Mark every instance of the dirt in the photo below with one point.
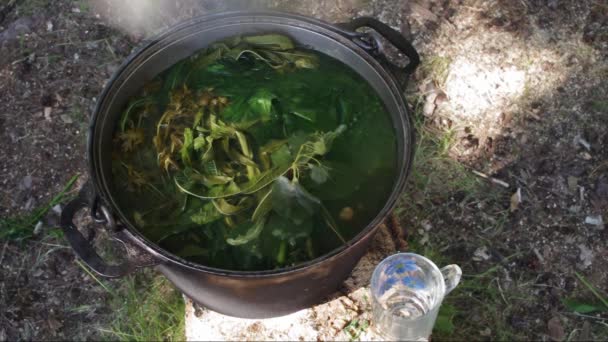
(523, 94)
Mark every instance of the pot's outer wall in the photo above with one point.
(247, 294)
(269, 296)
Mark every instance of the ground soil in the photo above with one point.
(523, 92)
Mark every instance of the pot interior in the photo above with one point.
(183, 41)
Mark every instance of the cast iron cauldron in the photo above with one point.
(257, 294)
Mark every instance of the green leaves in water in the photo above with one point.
(261, 103)
(271, 191)
(247, 141)
(277, 51)
(187, 147)
(207, 214)
(252, 232)
(270, 41)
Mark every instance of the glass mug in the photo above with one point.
(407, 290)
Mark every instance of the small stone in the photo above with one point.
(429, 104)
(580, 141)
(586, 255)
(57, 209)
(47, 113)
(66, 118)
(29, 204)
(92, 45)
(54, 325)
(481, 254)
(426, 224)
(595, 220)
(515, 200)
(556, 330)
(38, 228)
(27, 181)
(572, 184)
(49, 26)
(441, 99)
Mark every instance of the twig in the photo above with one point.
(539, 256)
(492, 179)
(500, 291)
(3, 252)
(586, 316)
(397, 231)
(595, 170)
(110, 48)
(592, 289)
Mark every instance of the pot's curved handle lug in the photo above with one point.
(374, 46)
(82, 246)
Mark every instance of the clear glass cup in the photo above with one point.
(407, 290)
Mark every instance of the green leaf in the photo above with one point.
(301, 59)
(272, 146)
(220, 130)
(264, 206)
(193, 177)
(210, 56)
(187, 147)
(132, 105)
(232, 189)
(199, 143)
(210, 168)
(582, 307)
(252, 232)
(240, 158)
(227, 209)
(266, 178)
(207, 214)
(261, 103)
(324, 141)
(281, 156)
(270, 41)
(444, 323)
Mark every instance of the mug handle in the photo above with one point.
(451, 276)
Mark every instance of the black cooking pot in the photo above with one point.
(236, 293)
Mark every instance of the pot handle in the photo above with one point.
(392, 36)
(82, 246)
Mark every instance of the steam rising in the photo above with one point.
(144, 18)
